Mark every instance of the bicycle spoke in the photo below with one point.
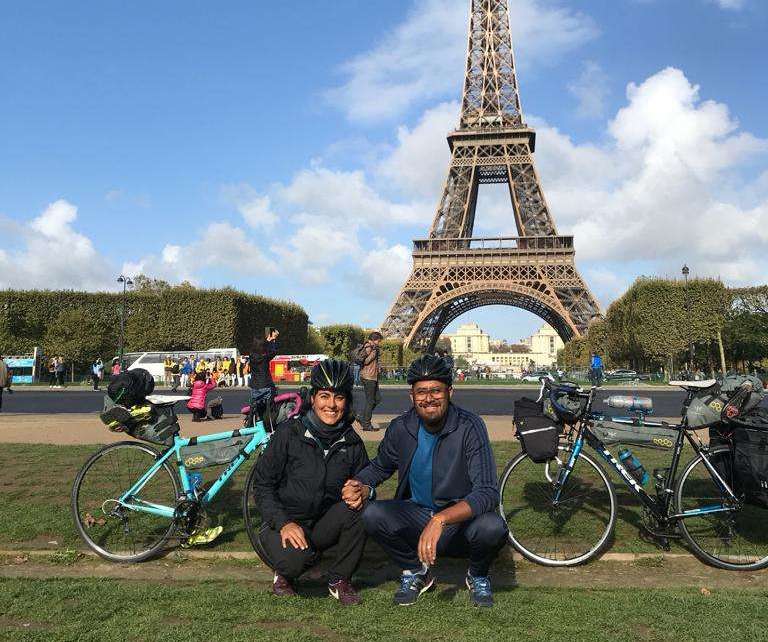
(117, 532)
(733, 539)
(572, 528)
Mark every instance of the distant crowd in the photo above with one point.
(223, 371)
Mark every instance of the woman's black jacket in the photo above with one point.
(296, 482)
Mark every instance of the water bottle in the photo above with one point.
(633, 466)
(196, 481)
(631, 403)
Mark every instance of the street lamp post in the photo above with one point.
(126, 283)
(686, 272)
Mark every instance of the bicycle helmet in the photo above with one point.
(332, 374)
(430, 367)
(566, 404)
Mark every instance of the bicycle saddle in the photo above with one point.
(694, 385)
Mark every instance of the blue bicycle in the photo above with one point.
(130, 499)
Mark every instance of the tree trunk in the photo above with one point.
(722, 350)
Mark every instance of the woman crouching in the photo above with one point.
(298, 488)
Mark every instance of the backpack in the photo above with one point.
(216, 408)
(131, 387)
(358, 355)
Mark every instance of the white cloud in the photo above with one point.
(590, 90)
(418, 164)
(255, 208)
(344, 197)
(313, 249)
(424, 57)
(51, 254)
(382, 271)
(659, 188)
(733, 5)
(219, 245)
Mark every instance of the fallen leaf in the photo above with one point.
(21, 559)
(101, 521)
(705, 591)
(89, 520)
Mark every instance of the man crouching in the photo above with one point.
(298, 488)
(447, 488)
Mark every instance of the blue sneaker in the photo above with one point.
(411, 586)
(479, 591)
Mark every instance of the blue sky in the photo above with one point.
(295, 149)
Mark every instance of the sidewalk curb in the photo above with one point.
(249, 555)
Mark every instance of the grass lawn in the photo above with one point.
(104, 610)
(37, 479)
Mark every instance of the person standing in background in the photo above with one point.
(167, 374)
(4, 380)
(97, 370)
(52, 372)
(262, 353)
(186, 369)
(115, 367)
(369, 377)
(242, 370)
(175, 374)
(60, 372)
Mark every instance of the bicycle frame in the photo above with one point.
(658, 506)
(131, 501)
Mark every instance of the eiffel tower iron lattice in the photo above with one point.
(453, 272)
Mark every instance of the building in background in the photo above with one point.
(479, 349)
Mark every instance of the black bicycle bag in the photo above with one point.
(750, 456)
(537, 433)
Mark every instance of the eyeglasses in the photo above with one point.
(435, 393)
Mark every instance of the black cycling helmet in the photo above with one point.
(430, 367)
(332, 374)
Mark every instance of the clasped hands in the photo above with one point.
(355, 493)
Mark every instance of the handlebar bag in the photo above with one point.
(537, 433)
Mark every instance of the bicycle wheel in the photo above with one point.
(252, 517)
(112, 531)
(572, 532)
(736, 540)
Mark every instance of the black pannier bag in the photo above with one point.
(214, 453)
(216, 408)
(537, 433)
(131, 387)
(148, 422)
(750, 456)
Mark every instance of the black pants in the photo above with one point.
(372, 399)
(339, 525)
(397, 525)
(95, 380)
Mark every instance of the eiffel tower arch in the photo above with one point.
(454, 272)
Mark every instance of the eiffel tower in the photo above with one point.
(454, 272)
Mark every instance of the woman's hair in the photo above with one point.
(199, 376)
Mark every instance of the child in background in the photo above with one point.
(200, 389)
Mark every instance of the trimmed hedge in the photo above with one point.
(173, 319)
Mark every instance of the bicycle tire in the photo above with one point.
(698, 549)
(594, 551)
(79, 512)
(250, 510)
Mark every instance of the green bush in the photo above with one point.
(83, 325)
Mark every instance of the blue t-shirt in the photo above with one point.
(597, 362)
(420, 474)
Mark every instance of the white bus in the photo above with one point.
(153, 361)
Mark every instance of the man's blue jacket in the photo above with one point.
(463, 467)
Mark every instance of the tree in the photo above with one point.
(143, 283)
(461, 362)
(80, 337)
(340, 339)
(443, 345)
(315, 341)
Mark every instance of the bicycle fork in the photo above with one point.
(564, 471)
